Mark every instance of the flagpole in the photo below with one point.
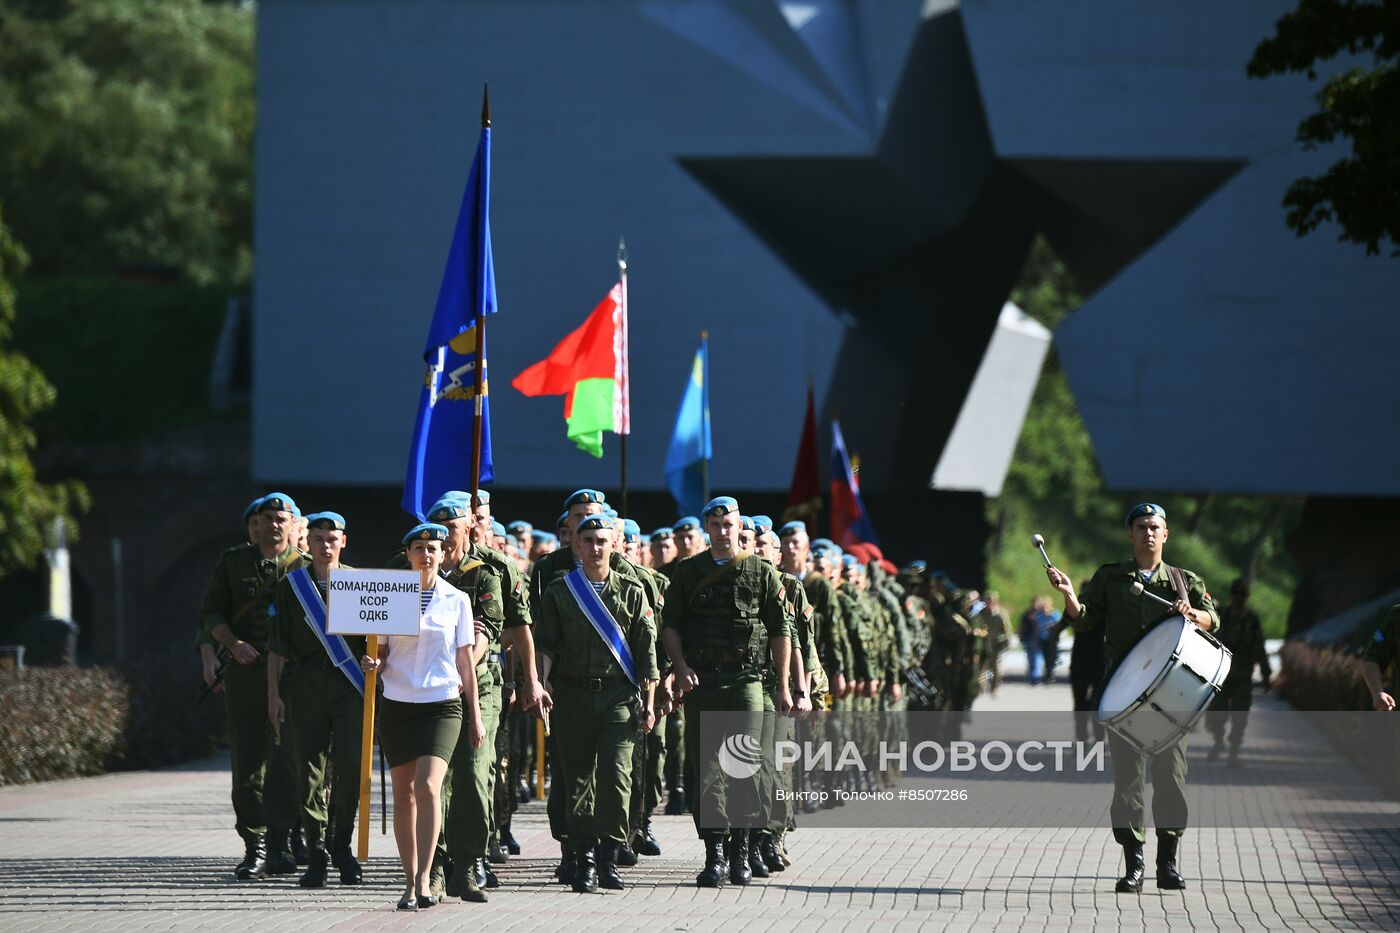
(705, 418)
(479, 376)
(625, 389)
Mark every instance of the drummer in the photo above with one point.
(1109, 600)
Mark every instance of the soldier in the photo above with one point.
(765, 850)
(724, 611)
(324, 685)
(689, 538)
(237, 612)
(1243, 633)
(663, 548)
(1108, 601)
(523, 533)
(1381, 654)
(998, 635)
(598, 652)
(649, 756)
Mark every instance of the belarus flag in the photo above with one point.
(589, 367)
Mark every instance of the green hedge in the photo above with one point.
(63, 722)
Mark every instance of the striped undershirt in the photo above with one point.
(425, 597)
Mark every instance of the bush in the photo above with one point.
(64, 722)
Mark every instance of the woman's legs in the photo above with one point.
(428, 772)
(405, 828)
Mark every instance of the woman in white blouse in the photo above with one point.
(429, 692)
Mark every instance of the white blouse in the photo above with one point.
(422, 668)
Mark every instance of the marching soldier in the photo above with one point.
(598, 652)
(1243, 633)
(724, 612)
(320, 674)
(1108, 600)
(1380, 655)
(650, 755)
(237, 612)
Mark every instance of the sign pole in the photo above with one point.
(367, 747)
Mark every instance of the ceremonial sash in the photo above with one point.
(314, 611)
(602, 620)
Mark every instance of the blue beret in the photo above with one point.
(1145, 508)
(595, 523)
(546, 537)
(329, 521)
(498, 529)
(746, 523)
(708, 542)
(662, 534)
(517, 527)
(278, 502)
(850, 560)
(445, 510)
(427, 531)
(916, 566)
(583, 497)
(762, 523)
(562, 520)
(690, 521)
(720, 505)
(631, 527)
(792, 528)
(823, 542)
(611, 513)
(252, 509)
(483, 497)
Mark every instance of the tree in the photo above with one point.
(27, 506)
(128, 130)
(1360, 192)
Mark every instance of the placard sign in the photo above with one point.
(373, 602)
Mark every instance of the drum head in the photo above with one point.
(1142, 665)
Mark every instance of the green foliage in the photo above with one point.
(129, 359)
(63, 722)
(1361, 192)
(27, 506)
(1054, 488)
(128, 130)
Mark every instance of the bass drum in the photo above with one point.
(1164, 685)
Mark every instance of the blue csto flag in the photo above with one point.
(440, 457)
(688, 458)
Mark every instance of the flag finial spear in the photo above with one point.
(485, 105)
(704, 335)
(622, 254)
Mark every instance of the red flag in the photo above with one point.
(805, 497)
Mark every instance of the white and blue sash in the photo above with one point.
(603, 622)
(314, 611)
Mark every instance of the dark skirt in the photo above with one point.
(408, 731)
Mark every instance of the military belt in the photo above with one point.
(593, 684)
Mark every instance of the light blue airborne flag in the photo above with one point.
(440, 457)
(688, 459)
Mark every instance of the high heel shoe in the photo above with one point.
(407, 902)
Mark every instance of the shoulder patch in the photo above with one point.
(808, 612)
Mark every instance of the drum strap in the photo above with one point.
(1178, 582)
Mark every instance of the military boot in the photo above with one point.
(280, 860)
(768, 849)
(1131, 882)
(568, 867)
(675, 798)
(607, 867)
(344, 860)
(713, 875)
(757, 867)
(1168, 878)
(254, 862)
(586, 871)
(299, 850)
(496, 853)
(315, 874)
(645, 843)
(508, 840)
(625, 856)
(739, 871)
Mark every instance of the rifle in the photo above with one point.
(926, 695)
(223, 659)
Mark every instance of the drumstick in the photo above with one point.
(1039, 542)
(544, 715)
(1139, 590)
